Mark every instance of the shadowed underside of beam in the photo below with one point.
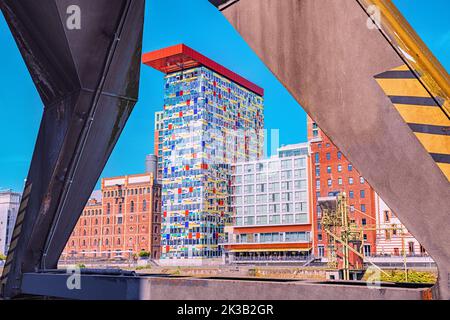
(332, 58)
(88, 80)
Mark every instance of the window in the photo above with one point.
(108, 208)
(317, 184)
(411, 248)
(340, 181)
(363, 221)
(328, 169)
(274, 219)
(120, 208)
(299, 184)
(300, 173)
(350, 180)
(317, 171)
(361, 180)
(132, 206)
(328, 156)
(321, 251)
(363, 208)
(316, 157)
(144, 205)
(352, 208)
(351, 194)
(285, 175)
(300, 162)
(339, 168)
(329, 182)
(262, 187)
(350, 167)
(261, 220)
(386, 216)
(339, 155)
(248, 188)
(367, 249)
(286, 164)
(249, 178)
(261, 198)
(261, 209)
(250, 199)
(300, 195)
(362, 194)
(387, 234)
(119, 220)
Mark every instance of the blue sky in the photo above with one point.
(169, 22)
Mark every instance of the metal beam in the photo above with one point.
(88, 80)
(96, 287)
(327, 54)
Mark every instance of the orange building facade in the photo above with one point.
(332, 173)
(126, 222)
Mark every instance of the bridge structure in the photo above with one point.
(355, 66)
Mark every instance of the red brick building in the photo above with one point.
(126, 222)
(331, 172)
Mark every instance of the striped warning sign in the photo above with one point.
(422, 112)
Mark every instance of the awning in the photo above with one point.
(273, 250)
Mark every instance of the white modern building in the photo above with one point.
(271, 208)
(9, 207)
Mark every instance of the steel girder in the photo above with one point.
(329, 56)
(87, 74)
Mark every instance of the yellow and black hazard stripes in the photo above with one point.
(421, 112)
(16, 233)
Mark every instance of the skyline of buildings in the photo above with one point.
(211, 193)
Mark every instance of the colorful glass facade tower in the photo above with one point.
(212, 118)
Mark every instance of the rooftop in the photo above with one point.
(181, 57)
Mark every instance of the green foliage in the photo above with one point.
(144, 254)
(2, 257)
(400, 276)
(81, 266)
(146, 267)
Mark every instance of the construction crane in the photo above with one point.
(346, 236)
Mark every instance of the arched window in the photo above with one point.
(132, 206)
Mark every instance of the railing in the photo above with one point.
(271, 258)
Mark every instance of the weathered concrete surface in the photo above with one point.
(324, 54)
(95, 287)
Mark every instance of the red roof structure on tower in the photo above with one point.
(181, 57)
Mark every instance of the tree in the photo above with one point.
(2, 257)
(144, 254)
